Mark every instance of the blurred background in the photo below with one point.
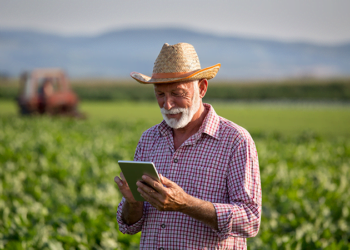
(69, 111)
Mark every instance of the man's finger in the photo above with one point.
(153, 183)
(166, 181)
(123, 178)
(151, 197)
(147, 189)
(118, 181)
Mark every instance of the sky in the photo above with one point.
(317, 21)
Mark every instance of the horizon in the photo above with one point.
(186, 29)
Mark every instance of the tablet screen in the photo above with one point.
(133, 171)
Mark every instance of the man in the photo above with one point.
(209, 196)
(45, 91)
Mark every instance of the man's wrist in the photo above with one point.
(188, 205)
(134, 204)
(132, 212)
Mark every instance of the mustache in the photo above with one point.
(172, 111)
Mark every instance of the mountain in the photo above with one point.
(117, 53)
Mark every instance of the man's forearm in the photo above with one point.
(201, 210)
(132, 212)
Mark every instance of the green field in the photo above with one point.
(127, 90)
(257, 117)
(56, 175)
(285, 118)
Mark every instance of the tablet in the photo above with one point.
(133, 171)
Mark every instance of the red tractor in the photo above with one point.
(47, 91)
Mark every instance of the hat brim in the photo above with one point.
(207, 73)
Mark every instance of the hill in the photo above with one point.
(117, 53)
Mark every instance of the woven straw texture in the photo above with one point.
(180, 58)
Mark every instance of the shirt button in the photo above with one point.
(161, 248)
(175, 160)
(163, 225)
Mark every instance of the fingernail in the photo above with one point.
(143, 177)
(117, 180)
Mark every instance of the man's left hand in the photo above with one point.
(169, 197)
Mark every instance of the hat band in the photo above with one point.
(172, 75)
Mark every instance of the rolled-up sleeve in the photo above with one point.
(136, 227)
(241, 217)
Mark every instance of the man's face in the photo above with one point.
(178, 102)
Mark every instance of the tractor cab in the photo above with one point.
(46, 91)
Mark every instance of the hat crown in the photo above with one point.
(181, 57)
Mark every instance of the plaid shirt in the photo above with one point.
(218, 164)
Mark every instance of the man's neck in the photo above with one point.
(182, 134)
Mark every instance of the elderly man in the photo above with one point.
(209, 196)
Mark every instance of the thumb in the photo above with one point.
(165, 181)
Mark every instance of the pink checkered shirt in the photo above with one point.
(218, 164)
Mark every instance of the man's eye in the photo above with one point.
(160, 94)
(176, 94)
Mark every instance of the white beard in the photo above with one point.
(187, 113)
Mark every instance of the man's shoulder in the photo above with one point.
(224, 129)
(229, 129)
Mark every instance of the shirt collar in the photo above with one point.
(164, 129)
(210, 125)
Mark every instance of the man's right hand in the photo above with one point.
(132, 209)
(124, 189)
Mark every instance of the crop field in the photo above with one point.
(56, 175)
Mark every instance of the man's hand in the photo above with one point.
(124, 188)
(132, 209)
(168, 198)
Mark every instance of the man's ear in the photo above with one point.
(203, 87)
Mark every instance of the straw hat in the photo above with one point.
(176, 63)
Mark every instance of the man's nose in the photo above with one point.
(168, 103)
